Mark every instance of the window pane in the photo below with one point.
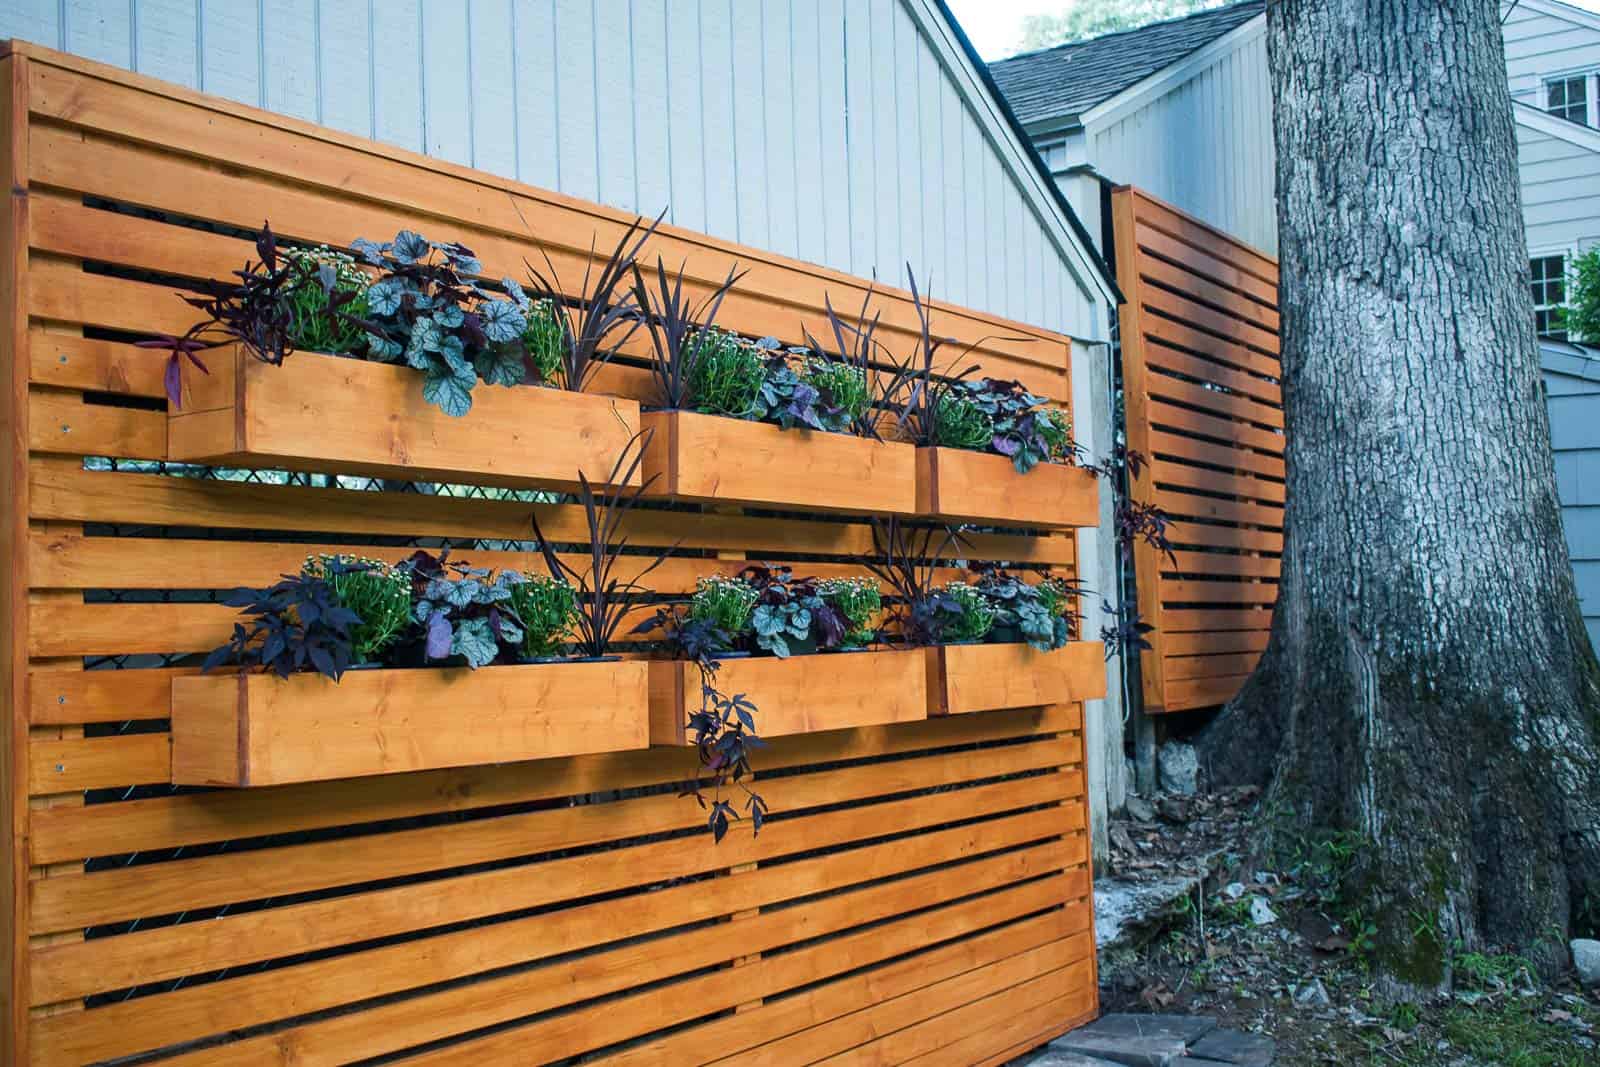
(1548, 277)
(1568, 98)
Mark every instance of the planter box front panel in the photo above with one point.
(967, 678)
(798, 695)
(709, 458)
(960, 485)
(256, 729)
(327, 413)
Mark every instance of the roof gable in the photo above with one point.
(1070, 79)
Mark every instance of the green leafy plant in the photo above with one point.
(790, 611)
(859, 601)
(972, 615)
(1039, 614)
(465, 612)
(315, 275)
(548, 610)
(543, 340)
(724, 604)
(678, 327)
(816, 394)
(960, 423)
(376, 591)
(1583, 298)
(727, 372)
(426, 311)
(843, 386)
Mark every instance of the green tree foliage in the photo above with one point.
(1091, 18)
(1583, 296)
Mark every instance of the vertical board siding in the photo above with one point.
(291, 85)
(1573, 400)
(1205, 145)
(831, 131)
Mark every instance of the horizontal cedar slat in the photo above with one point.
(1266, 390)
(1185, 667)
(1249, 312)
(1210, 262)
(1166, 472)
(1215, 401)
(196, 1012)
(1194, 592)
(1192, 505)
(1169, 415)
(71, 765)
(1191, 313)
(67, 492)
(165, 822)
(1203, 563)
(1175, 447)
(1207, 535)
(430, 1017)
(1200, 644)
(1173, 333)
(210, 881)
(1160, 215)
(1200, 619)
(1203, 692)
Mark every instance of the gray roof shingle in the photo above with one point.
(1071, 78)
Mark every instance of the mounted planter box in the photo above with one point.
(712, 459)
(798, 695)
(966, 678)
(352, 416)
(257, 729)
(961, 485)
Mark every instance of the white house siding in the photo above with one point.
(1203, 144)
(1559, 163)
(1545, 39)
(1572, 389)
(834, 131)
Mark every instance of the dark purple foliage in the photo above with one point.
(297, 624)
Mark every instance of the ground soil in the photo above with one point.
(1297, 969)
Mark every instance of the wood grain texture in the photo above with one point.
(258, 730)
(968, 678)
(324, 413)
(965, 486)
(1205, 404)
(800, 694)
(498, 907)
(733, 461)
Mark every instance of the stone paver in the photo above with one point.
(1232, 1047)
(1130, 1040)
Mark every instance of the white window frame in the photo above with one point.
(1567, 253)
(1591, 94)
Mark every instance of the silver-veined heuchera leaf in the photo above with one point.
(502, 321)
(474, 639)
(447, 392)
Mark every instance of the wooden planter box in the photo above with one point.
(708, 458)
(798, 695)
(966, 678)
(257, 729)
(351, 416)
(961, 485)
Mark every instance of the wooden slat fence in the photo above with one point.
(1204, 403)
(921, 894)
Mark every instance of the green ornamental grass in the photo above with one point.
(545, 340)
(961, 423)
(845, 386)
(726, 603)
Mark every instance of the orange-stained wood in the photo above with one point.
(967, 678)
(712, 459)
(800, 694)
(324, 413)
(256, 729)
(964, 486)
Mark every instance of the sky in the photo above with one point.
(995, 25)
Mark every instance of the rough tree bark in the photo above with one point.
(1428, 683)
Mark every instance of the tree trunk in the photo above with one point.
(1429, 683)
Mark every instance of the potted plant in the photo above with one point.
(977, 657)
(762, 625)
(988, 451)
(291, 713)
(738, 421)
(364, 337)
